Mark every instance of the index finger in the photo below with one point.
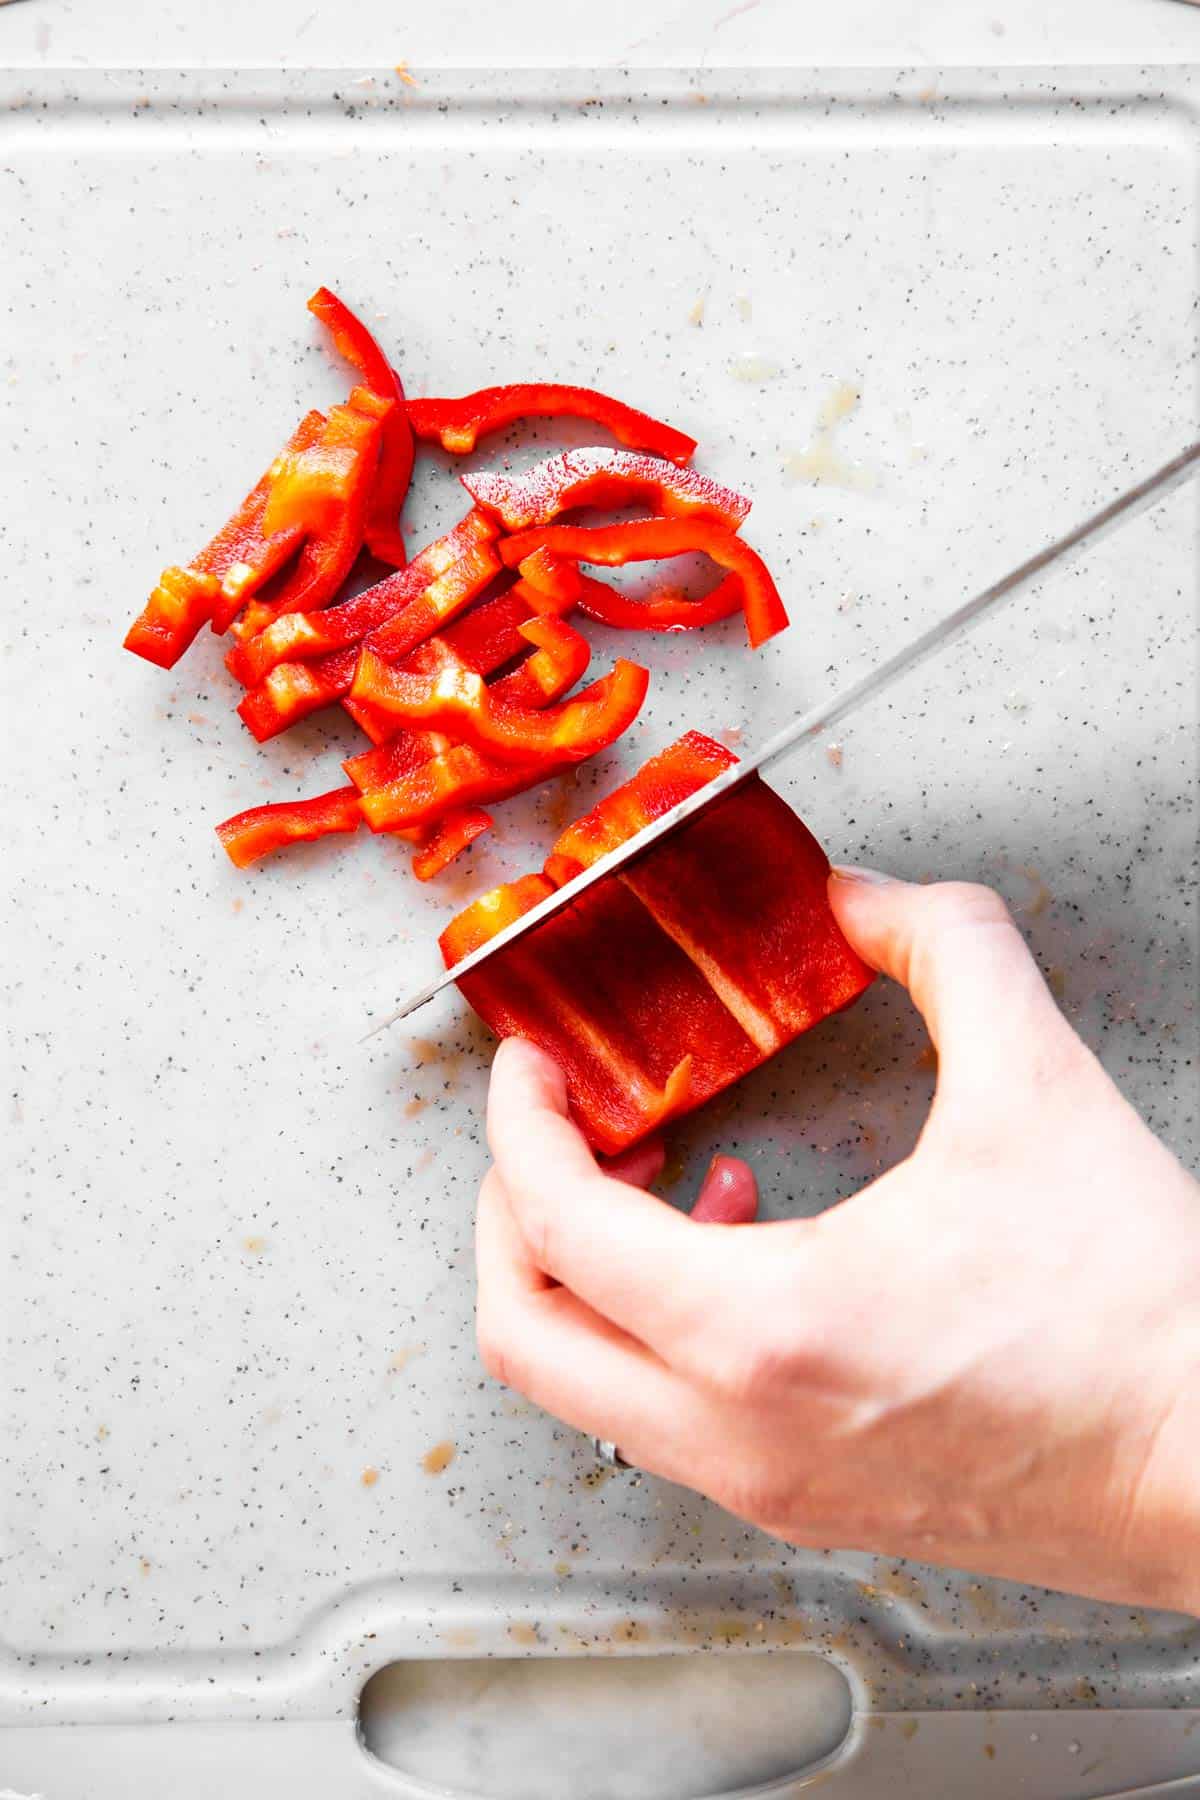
(630, 1256)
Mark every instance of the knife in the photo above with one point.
(831, 712)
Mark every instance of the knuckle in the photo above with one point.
(494, 1353)
(956, 903)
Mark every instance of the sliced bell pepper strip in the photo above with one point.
(325, 561)
(187, 599)
(401, 755)
(437, 604)
(594, 477)
(664, 610)
(249, 835)
(179, 607)
(457, 424)
(460, 776)
(312, 485)
(561, 655)
(302, 636)
(637, 1030)
(450, 837)
(458, 701)
(382, 531)
(671, 776)
(490, 914)
(551, 584)
(485, 639)
(645, 540)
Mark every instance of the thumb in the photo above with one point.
(954, 946)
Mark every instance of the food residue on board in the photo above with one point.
(369, 1477)
(400, 1359)
(753, 366)
(414, 1106)
(821, 462)
(439, 1458)
(745, 309)
(524, 1634)
(835, 754)
(255, 1245)
(402, 70)
(696, 311)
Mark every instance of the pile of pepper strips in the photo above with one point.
(458, 665)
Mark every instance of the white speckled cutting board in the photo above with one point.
(237, 1284)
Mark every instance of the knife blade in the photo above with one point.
(830, 712)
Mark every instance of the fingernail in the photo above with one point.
(852, 872)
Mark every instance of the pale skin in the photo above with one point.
(987, 1359)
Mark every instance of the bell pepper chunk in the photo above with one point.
(664, 610)
(636, 1028)
(645, 540)
(393, 477)
(741, 889)
(262, 829)
(456, 699)
(443, 600)
(719, 940)
(448, 839)
(326, 559)
(596, 477)
(303, 636)
(457, 425)
(673, 775)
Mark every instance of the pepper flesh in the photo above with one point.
(673, 775)
(382, 533)
(325, 560)
(249, 835)
(303, 636)
(736, 898)
(595, 477)
(457, 424)
(448, 839)
(313, 484)
(214, 585)
(460, 776)
(644, 540)
(456, 699)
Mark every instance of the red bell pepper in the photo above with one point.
(382, 531)
(457, 424)
(485, 638)
(449, 838)
(636, 1028)
(671, 776)
(644, 540)
(490, 914)
(551, 584)
(179, 607)
(249, 835)
(303, 636)
(326, 560)
(456, 699)
(440, 602)
(561, 655)
(593, 477)
(311, 486)
(212, 588)
(460, 776)
(720, 938)
(664, 610)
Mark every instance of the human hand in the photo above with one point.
(989, 1358)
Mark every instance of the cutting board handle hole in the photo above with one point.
(632, 1727)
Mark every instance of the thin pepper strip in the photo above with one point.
(261, 829)
(460, 776)
(492, 913)
(457, 700)
(382, 533)
(673, 775)
(458, 424)
(449, 838)
(303, 636)
(596, 477)
(240, 556)
(664, 610)
(326, 560)
(645, 540)
(485, 638)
